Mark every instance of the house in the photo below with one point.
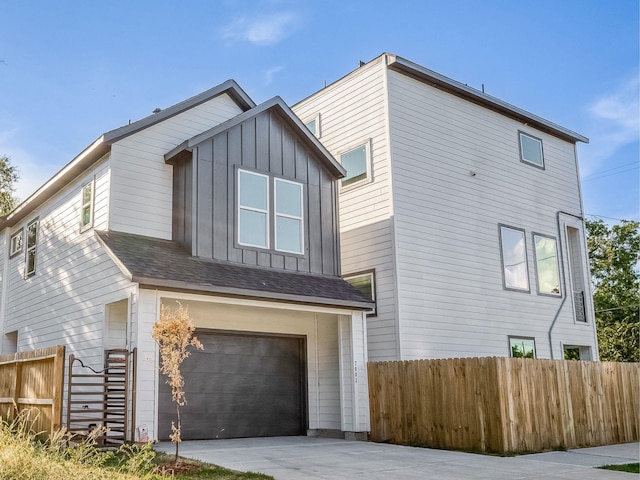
(460, 213)
(229, 208)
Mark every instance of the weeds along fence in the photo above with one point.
(504, 404)
(33, 380)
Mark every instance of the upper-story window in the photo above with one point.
(289, 219)
(255, 221)
(514, 258)
(86, 210)
(366, 283)
(15, 243)
(314, 125)
(531, 150)
(32, 243)
(357, 164)
(253, 205)
(546, 264)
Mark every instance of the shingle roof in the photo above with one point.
(157, 263)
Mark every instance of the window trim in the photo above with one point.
(560, 294)
(316, 118)
(19, 233)
(374, 293)
(252, 209)
(526, 259)
(91, 205)
(276, 215)
(368, 168)
(30, 273)
(520, 337)
(522, 158)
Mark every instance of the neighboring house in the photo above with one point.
(229, 208)
(460, 213)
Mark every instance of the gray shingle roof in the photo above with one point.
(157, 263)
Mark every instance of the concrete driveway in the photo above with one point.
(289, 458)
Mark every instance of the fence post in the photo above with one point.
(58, 386)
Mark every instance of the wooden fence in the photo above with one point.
(504, 404)
(33, 380)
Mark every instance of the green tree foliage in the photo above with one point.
(614, 258)
(8, 177)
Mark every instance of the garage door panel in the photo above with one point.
(240, 386)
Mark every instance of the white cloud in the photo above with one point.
(270, 73)
(616, 118)
(262, 30)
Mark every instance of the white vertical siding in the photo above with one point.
(141, 190)
(354, 110)
(457, 174)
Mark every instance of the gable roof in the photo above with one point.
(102, 145)
(279, 106)
(163, 264)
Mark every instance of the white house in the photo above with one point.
(229, 208)
(461, 213)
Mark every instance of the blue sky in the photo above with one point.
(71, 70)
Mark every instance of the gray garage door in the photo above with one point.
(240, 385)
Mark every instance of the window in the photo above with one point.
(254, 218)
(522, 347)
(314, 125)
(16, 243)
(356, 163)
(86, 210)
(546, 265)
(514, 259)
(289, 224)
(531, 150)
(366, 283)
(253, 205)
(32, 239)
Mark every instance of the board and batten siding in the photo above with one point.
(457, 175)
(353, 111)
(205, 196)
(141, 186)
(74, 276)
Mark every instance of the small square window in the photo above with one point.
(86, 209)
(531, 150)
(366, 283)
(16, 243)
(522, 347)
(514, 259)
(356, 162)
(314, 125)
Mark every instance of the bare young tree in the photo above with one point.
(174, 334)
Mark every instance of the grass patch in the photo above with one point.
(627, 467)
(26, 456)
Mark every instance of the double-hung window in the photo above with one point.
(255, 221)
(514, 258)
(546, 265)
(531, 150)
(86, 209)
(253, 206)
(288, 216)
(32, 241)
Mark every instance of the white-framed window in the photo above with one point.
(313, 125)
(531, 150)
(357, 162)
(289, 221)
(15, 243)
(86, 209)
(522, 347)
(513, 247)
(546, 255)
(253, 209)
(32, 244)
(365, 282)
